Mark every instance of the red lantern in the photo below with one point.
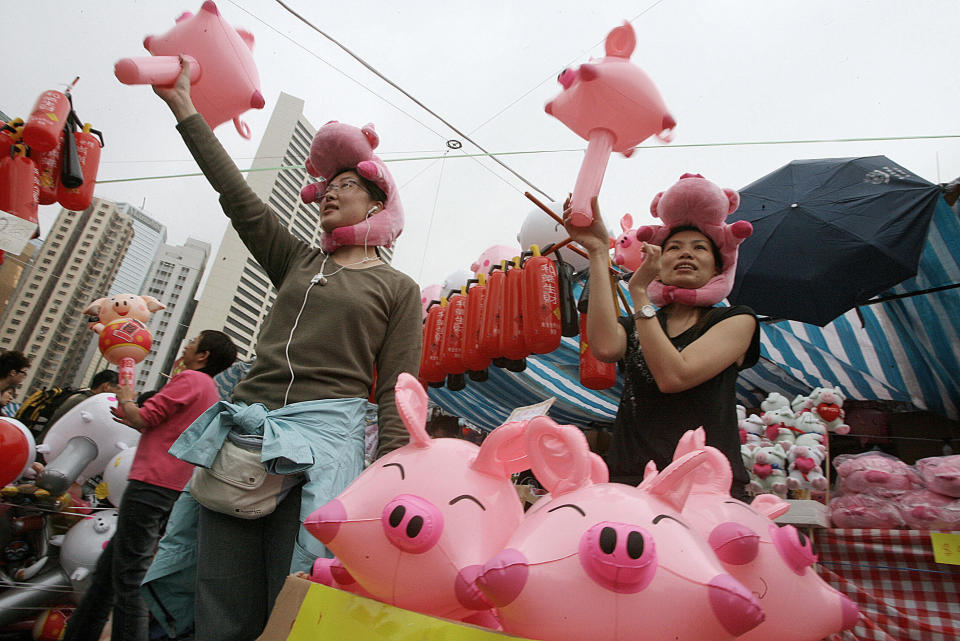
(48, 168)
(19, 196)
(88, 152)
(491, 317)
(541, 304)
(10, 134)
(594, 374)
(512, 345)
(430, 368)
(473, 359)
(454, 322)
(49, 117)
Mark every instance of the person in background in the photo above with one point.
(105, 381)
(154, 484)
(13, 369)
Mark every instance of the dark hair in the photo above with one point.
(106, 376)
(146, 396)
(717, 258)
(11, 361)
(368, 185)
(222, 351)
(9, 388)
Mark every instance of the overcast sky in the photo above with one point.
(729, 71)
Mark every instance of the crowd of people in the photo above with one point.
(300, 411)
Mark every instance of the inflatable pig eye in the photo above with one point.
(794, 548)
(620, 557)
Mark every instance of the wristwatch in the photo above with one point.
(647, 311)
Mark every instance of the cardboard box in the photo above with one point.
(306, 611)
(805, 513)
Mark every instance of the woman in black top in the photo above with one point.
(680, 363)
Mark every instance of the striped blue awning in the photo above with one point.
(905, 349)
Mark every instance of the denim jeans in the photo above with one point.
(121, 567)
(241, 567)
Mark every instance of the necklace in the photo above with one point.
(322, 278)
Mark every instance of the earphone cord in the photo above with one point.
(314, 281)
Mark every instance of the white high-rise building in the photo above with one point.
(173, 281)
(75, 265)
(238, 294)
(149, 236)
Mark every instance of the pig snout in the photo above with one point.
(794, 548)
(737, 610)
(325, 521)
(411, 523)
(619, 556)
(466, 590)
(734, 543)
(503, 577)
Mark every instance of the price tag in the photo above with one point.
(946, 547)
(531, 411)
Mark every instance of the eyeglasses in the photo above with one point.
(22, 371)
(345, 184)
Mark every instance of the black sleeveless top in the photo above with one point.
(649, 423)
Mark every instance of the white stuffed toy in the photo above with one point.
(800, 403)
(774, 401)
(810, 429)
(805, 465)
(768, 471)
(780, 426)
(827, 404)
(752, 431)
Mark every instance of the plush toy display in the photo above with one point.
(753, 431)
(773, 562)
(598, 559)
(774, 401)
(694, 200)
(805, 467)
(827, 404)
(415, 527)
(224, 77)
(941, 474)
(336, 147)
(809, 429)
(864, 511)
(780, 426)
(927, 510)
(874, 473)
(768, 470)
(612, 104)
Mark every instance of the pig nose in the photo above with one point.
(503, 577)
(411, 523)
(794, 548)
(735, 607)
(619, 556)
(734, 543)
(324, 522)
(851, 614)
(617, 259)
(466, 590)
(876, 476)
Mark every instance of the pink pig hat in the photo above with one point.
(337, 147)
(693, 200)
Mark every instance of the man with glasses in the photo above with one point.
(13, 369)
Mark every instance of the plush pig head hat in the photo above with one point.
(337, 147)
(696, 201)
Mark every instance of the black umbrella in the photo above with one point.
(828, 235)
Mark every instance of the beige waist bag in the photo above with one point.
(237, 484)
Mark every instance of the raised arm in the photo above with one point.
(606, 336)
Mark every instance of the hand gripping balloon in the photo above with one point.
(224, 77)
(607, 561)
(415, 527)
(613, 105)
(121, 324)
(774, 562)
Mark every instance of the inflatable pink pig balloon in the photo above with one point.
(627, 250)
(606, 561)
(224, 78)
(492, 256)
(427, 294)
(613, 105)
(774, 562)
(415, 527)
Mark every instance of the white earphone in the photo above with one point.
(372, 210)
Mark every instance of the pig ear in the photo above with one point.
(559, 455)
(621, 41)
(733, 200)
(412, 405)
(626, 222)
(770, 505)
(655, 205)
(599, 473)
(649, 473)
(93, 309)
(504, 451)
(715, 475)
(153, 304)
(674, 483)
(371, 135)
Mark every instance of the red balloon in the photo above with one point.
(594, 374)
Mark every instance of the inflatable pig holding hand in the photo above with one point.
(605, 561)
(415, 527)
(774, 562)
